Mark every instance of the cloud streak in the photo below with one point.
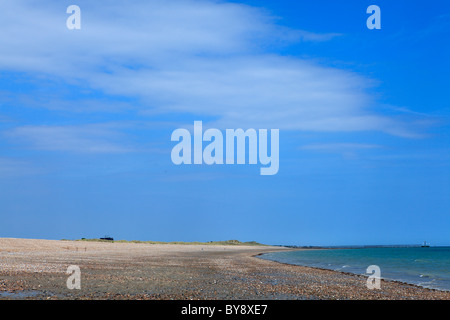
(76, 139)
(340, 146)
(207, 58)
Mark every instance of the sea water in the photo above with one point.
(428, 267)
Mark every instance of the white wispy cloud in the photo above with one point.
(79, 139)
(202, 57)
(14, 167)
(339, 146)
(347, 150)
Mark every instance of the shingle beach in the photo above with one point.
(36, 269)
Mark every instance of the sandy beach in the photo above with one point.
(36, 269)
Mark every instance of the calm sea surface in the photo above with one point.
(427, 267)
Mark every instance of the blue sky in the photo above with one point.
(86, 118)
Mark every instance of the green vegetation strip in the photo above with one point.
(227, 242)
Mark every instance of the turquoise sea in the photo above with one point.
(426, 267)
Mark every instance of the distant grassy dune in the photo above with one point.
(227, 242)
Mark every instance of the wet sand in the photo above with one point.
(36, 269)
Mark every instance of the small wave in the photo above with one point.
(343, 267)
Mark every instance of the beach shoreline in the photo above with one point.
(351, 273)
(36, 270)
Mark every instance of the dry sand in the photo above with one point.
(36, 269)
